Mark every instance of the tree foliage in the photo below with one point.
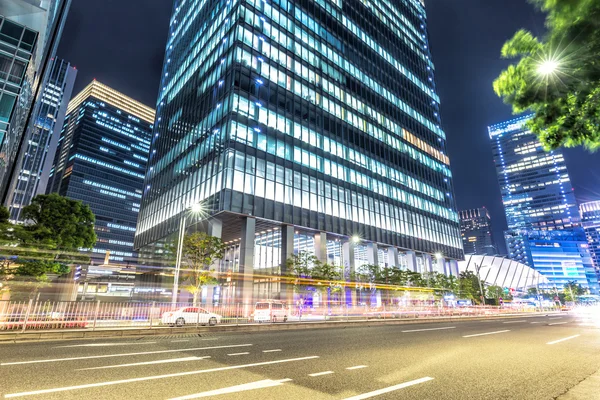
(565, 99)
(200, 251)
(572, 290)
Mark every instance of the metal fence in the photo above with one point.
(34, 315)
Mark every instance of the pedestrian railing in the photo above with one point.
(47, 315)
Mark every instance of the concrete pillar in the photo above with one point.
(392, 254)
(411, 261)
(245, 283)
(321, 247)
(372, 254)
(454, 268)
(349, 269)
(287, 249)
(215, 227)
(428, 263)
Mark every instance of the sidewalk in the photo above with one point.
(588, 389)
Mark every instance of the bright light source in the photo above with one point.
(356, 239)
(547, 67)
(196, 207)
(438, 255)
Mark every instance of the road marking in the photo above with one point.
(238, 354)
(539, 322)
(558, 323)
(321, 373)
(514, 322)
(487, 333)
(103, 345)
(429, 329)
(172, 360)
(123, 354)
(216, 338)
(556, 318)
(562, 340)
(154, 377)
(234, 389)
(389, 389)
(271, 351)
(357, 367)
(180, 341)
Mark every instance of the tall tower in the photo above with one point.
(299, 125)
(476, 232)
(590, 217)
(544, 226)
(101, 159)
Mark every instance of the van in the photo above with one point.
(270, 311)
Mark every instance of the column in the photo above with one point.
(245, 283)
(392, 254)
(349, 269)
(454, 268)
(428, 263)
(411, 261)
(287, 249)
(372, 255)
(321, 247)
(215, 227)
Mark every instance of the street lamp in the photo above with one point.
(355, 239)
(194, 208)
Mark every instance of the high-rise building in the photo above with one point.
(544, 227)
(476, 231)
(590, 217)
(30, 32)
(299, 125)
(36, 159)
(101, 160)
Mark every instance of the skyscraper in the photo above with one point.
(476, 231)
(544, 227)
(101, 159)
(36, 159)
(590, 217)
(29, 35)
(299, 125)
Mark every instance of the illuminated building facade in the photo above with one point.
(30, 32)
(101, 159)
(476, 231)
(299, 125)
(590, 217)
(36, 159)
(544, 226)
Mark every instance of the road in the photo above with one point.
(518, 358)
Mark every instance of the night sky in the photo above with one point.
(121, 43)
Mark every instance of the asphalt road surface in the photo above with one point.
(518, 358)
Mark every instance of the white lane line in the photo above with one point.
(271, 351)
(429, 329)
(556, 318)
(514, 322)
(557, 323)
(321, 373)
(123, 354)
(539, 322)
(238, 354)
(154, 377)
(234, 389)
(389, 389)
(171, 360)
(357, 367)
(563, 339)
(487, 333)
(103, 345)
(216, 338)
(180, 341)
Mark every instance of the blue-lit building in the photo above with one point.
(544, 226)
(590, 218)
(30, 32)
(101, 160)
(36, 158)
(476, 232)
(300, 125)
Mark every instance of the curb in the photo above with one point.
(21, 337)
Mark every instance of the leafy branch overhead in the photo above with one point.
(557, 77)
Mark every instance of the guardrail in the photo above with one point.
(34, 315)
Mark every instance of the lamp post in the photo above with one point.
(194, 208)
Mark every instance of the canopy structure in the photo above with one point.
(503, 272)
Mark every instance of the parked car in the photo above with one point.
(190, 315)
(270, 311)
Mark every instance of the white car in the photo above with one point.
(190, 315)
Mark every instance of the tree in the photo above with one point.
(572, 291)
(469, 286)
(200, 251)
(329, 274)
(495, 292)
(558, 77)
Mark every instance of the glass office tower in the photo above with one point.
(44, 21)
(101, 159)
(299, 125)
(590, 217)
(476, 231)
(544, 227)
(36, 159)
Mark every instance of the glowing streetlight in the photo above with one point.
(547, 67)
(355, 239)
(438, 255)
